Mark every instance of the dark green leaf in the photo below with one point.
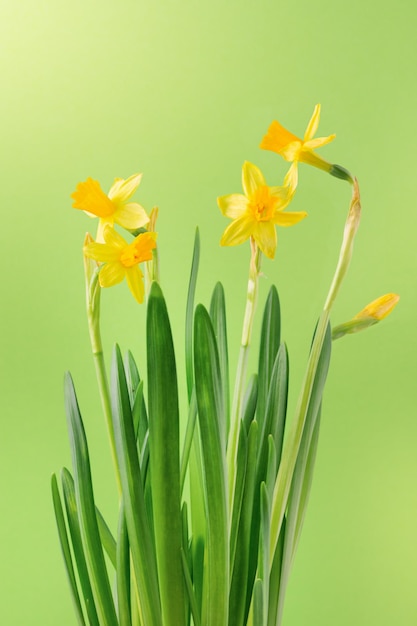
(270, 340)
(210, 404)
(218, 318)
(163, 414)
(139, 533)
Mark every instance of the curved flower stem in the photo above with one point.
(251, 298)
(290, 452)
(93, 317)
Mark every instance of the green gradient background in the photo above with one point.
(183, 91)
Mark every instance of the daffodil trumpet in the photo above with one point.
(296, 150)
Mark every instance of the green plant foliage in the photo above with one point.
(209, 519)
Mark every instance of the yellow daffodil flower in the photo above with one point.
(256, 213)
(113, 208)
(292, 148)
(122, 259)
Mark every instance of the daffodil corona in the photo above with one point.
(122, 259)
(113, 208)
(256, 212)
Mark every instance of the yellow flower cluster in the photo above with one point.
(256, 212)
(121, 260)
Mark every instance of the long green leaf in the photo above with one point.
(272, 425)
(140, 538)
(298, 495)
(249, 401)
(274, 579)
(190, 590)
(270, 340)
(218, 318)
(123, 570)
(263, 557)
(258, 603)
(241, 467)
(68, 489)
(209, 402)
(164, 444)
(239, 602)
(293, 440)
(137, 402)
(107, 539)
(187, 553)
(307, 481)
(189, 315)
(188, 440)
(87, 511)
(198, 551)
(275, 411)
(66, 551)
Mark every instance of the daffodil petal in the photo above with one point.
(101, 252)
(123, 189)
(265, 235)
(233, 205)
(134, 279)
(111, 274)
(288, 219)
(312, 144)
(292, 151)
(113, 239)
(252, 179)
(131, 216)
(237, 232)
(279, 192)
(313, 124)
(102, 225)
(291, 177)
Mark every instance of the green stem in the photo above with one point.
(251, 298)
(290, 452)
(93, 317)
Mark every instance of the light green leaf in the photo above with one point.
(87, 511)
(258, 603)
(68, 489)
(315, 377)
(66, 551)
(189, 316)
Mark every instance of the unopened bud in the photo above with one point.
(370, 315)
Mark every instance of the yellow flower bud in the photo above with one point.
(379, 308)
(373, 313)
